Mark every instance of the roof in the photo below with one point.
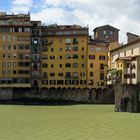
(124, 58)
(126, 45)
(109, 26)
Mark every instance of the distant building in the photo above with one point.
(106, 33)
(131, 37)
(126, 58)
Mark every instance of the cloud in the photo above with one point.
(21, 6)
(123, 14)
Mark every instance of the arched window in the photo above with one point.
(45, 65)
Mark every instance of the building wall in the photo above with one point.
(130, 50)
(55, 57)
(97, 66)
(107, 33)
(15, 51)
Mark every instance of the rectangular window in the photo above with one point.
(101, 66)
(91, 56)
(91, 65)
(9, 64)
(60, 74)
(68, 65)
(101, 76)
(52, 57)
(52, 74)
(14, 64)
(3, 55)
(3, 64)
(91, 74)
(60, 82)
(101, 57)
(52, 82)
(3, 37)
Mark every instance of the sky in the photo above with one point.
(122, 14)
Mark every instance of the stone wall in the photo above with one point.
(74, 95)
(6, 93)
(127, 98)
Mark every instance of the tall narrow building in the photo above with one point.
(15, 50)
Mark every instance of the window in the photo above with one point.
(3, 64)
(133, 75)
(3, 72)
(68, 74)
(9, 37)
(35, 41)
(104, 32)
(45, 75)
(91, 74)
(82, 74)
(3, 55)
(60, 82)
(75, 56)
(52, 74)
(14, 72)
(45, 65)
(68, 48)
(60, 65)
(101, 57)
(68, 82)
(9, 72)
(75, 74)
(60, 49)
(68, 56)
(52, 49)
(52, 82)
(52, 57)
(3, 37)
(91, 56)
(9, 47)
(101, 76)
(3, 47)
(68, 41)
(91, 65)
(75, 48)
(82, 57)
(52, 65)
(60, 57)
(75, 65)
(14, 47)
(15, 55)
(82, 48)
(9, 55)
(14, 64)
(101, 66)
(67, 65)
(82, 65)
(60, 74)
(75, 41)
(111, 32)
(9, 64)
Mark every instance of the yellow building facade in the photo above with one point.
(64, 57)
(14, 50)
(97, 64)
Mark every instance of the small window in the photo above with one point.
(75, 56)
(104, 32)
(91, 65)
(67, 65)
(101, 66)
(91, 56)
(91, 74)
(75, 48)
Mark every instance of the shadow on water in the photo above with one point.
(40, 102)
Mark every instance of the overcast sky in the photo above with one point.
(122, 14)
